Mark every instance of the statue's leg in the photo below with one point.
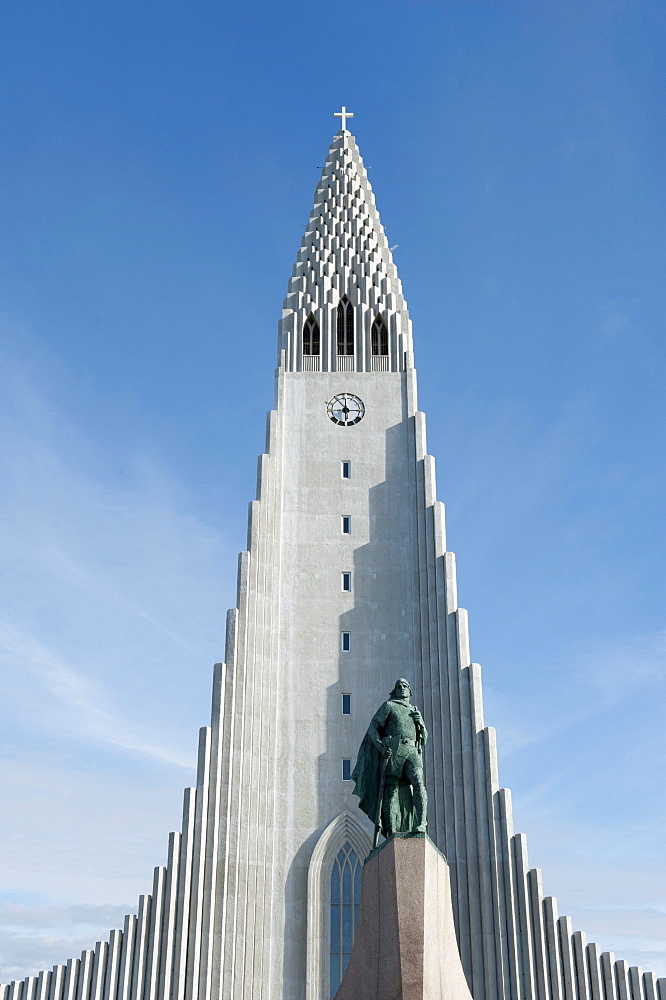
(390, 807)
(414, 774)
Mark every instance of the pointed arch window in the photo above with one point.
(345, 330)
(345, 905)
(379, 337)
(311, 337)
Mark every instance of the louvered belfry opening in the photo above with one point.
(311, 336)
(379, 337)
(345, 344)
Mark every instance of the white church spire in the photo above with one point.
(345, 254)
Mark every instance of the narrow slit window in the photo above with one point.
(345, 641)
(345, 327)
(346, 470)
(379, 337)
(346, 582)
(311, 337)
(346, 524)
(346, 704)
(346, 769)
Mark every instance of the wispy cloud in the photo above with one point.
(111, 592)
(111, 617)
(39, 936)
(600, 675)
(77, 702)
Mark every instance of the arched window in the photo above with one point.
(345, 904)
(341, 832)
(345, 326)
(311, 339)
(379, 337)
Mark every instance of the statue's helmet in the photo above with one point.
(401, 681)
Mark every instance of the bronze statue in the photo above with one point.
(389, 770)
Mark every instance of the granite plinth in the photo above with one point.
(405, 946)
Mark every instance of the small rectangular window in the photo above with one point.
(346, 470)
(345, 641)
(346, 769)
(346, 582)
(346, 524)
(346, 704)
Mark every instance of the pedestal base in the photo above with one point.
(405, 946)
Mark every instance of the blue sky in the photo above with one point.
(158, 165)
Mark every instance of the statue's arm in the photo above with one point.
(421, 731)
(378, 722)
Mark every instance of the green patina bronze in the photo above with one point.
(389, 770)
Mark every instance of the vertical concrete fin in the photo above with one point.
(491, 938)
(57, 983)
(468, 818)
(127, 958)
(155, 934)
(84, 985)
(552, 949)
(564, 933)
(262, 474)
(217, 698)
(636, 983)
(430, 481)
(113, 965)
(231, 638)
(99, 970)
(42, 987)
(215, 806)
(492, 775)
(242, 584)
(649, 986)
(141, 951)
(504, 903)
(451, 582)
(169, 918)
(594, 972)
(199, 864)
(271, 431)
(253, 514)
(476, 697)
(439, 514)
(420, 435)
(535, 896)
(523, 920)
(71, 977)
(181, 930)
(622, 979)
(608, 975)
(580, 965)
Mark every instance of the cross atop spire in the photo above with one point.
(344, 114)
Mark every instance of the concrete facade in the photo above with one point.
(240, 910)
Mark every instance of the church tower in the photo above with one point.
(346, 584)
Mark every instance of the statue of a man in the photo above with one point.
(389, 768)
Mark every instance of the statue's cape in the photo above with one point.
(367, 777)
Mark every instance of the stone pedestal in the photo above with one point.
(405, 946)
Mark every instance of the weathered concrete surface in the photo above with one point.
(405, 946)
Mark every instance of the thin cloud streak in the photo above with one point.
(81, 714)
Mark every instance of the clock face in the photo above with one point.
(345, 409)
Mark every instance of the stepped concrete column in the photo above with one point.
(405, 946)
